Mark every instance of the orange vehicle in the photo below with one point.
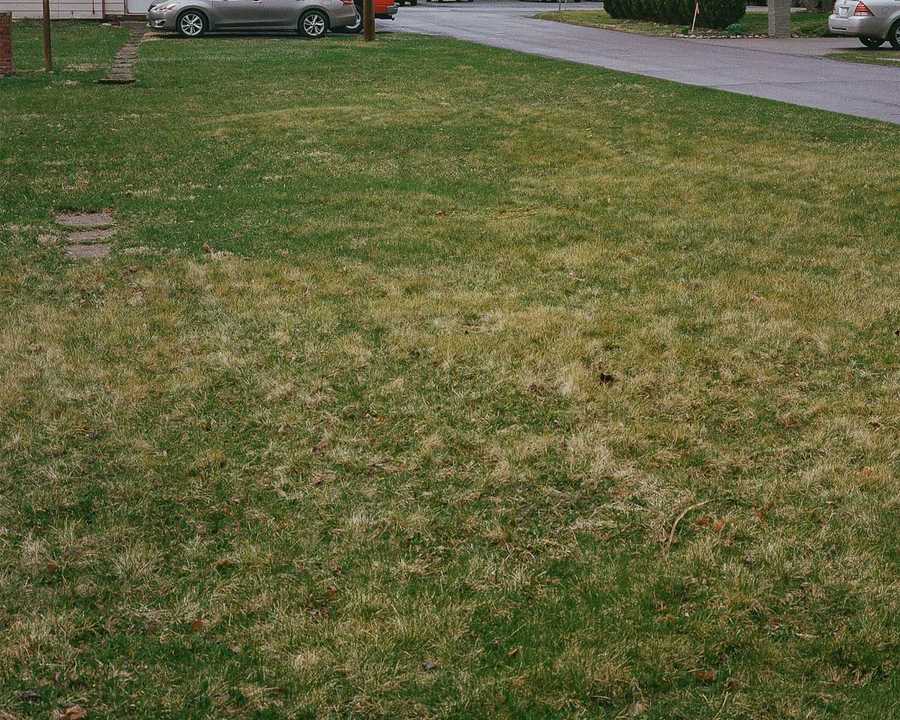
(384, 10)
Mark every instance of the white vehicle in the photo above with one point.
(874, 22)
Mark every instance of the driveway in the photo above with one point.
(792, 71)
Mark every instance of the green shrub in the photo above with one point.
(721, 13)
(735, 29)
(616, 8)
(713, 13)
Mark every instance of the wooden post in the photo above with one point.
(48, 53)
(368, 19)
(6, 60)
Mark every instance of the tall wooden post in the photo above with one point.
(368, 19)
(48, 53)
(6, 59)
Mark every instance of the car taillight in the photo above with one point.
(347, 2)
(862, 9)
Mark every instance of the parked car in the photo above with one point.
(384, 10)
(193, 18)
(872, 21)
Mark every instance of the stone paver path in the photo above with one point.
(85, 220)
(82, 252)
(86, 233)
(91, 236)
(122, 70)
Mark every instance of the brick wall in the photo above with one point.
(6, 63)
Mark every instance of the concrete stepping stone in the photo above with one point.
(85, 237)
(85, 220)
(87, 252)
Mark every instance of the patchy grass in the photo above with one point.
(404, 384)
(882, 56)
(803, 24)
(600, 19)
(80, 50)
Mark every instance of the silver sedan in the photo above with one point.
(193, 18)
(872, 21)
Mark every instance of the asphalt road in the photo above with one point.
(792, 71)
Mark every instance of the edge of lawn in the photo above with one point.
(592, 18)
(885, 57)
(881, 56)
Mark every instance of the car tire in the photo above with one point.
(355, 28)
(313, 24)
(871, 42)
(192, 24)
(894, 35)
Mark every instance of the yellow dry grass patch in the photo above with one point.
(543, 401)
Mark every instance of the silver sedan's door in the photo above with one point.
(283, 13)
(233, 14)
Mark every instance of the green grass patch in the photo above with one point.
(803, 24)
(80, 50)
(882, 56)
(432, 380)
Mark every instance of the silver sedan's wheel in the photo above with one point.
(191, 24)
(871, 42)
(355, 27)
(313, 24)
(357, 24)
(894, 36)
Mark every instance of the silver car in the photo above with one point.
(872, 21)
(193, 18)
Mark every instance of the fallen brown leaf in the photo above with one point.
(637, 709)
(320, 447)
(73, 712)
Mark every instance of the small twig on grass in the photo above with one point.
(678, 520)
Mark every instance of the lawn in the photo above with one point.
(884, 55)
(80, 50)
(427, 380)
(802, 24)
